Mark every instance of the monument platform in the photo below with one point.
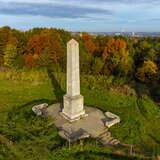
(94, 125)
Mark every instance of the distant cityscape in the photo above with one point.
(128, 34)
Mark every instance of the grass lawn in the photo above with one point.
(25, 136)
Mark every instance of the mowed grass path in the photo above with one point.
(139, 125)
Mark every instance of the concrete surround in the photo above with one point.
(91, 126)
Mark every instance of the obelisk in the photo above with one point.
(73, 108)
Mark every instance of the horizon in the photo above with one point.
(94, 16)
(23, 30)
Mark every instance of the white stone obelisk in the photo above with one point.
(73, 102)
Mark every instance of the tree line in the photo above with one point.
(133, 58)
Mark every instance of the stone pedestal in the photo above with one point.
(73, 107)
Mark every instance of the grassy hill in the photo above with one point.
(25, 136)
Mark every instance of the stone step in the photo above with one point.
(108, 134)
(116, 142)
(105, 134)
(112, 142)
(62, 134)
(106, 139)
(109, 140)
(102, 136)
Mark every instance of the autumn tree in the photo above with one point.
(21, 38)
(147, 71)
(91, 45)
(46, 48)
(28, 59)
(116, 56)
(86, 36)
(54, 50)
(4, 36)
(10, 55)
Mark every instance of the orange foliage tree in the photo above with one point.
(90, 44)
(116, 56)
(45, 48)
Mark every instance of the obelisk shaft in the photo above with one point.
(73, 82)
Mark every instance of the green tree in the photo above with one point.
(98, 65)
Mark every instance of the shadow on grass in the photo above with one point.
(58, 91)
(141, 92)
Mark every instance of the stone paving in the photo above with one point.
(91, 126)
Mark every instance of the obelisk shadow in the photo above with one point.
(57, 89)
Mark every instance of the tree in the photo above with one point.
(10, 55)
(4, 36)
(86, 36)
(28, 58)
(147, 72)
(98, 65)
(142, 51)
(152, 55)
(116, 56)
(90, 46)
(46, 48)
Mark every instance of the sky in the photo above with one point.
(82, 15)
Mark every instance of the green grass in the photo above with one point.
(25, 136)
(139, 122)
(20, 93)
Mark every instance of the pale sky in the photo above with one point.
(82, 15)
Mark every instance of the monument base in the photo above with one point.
(73, 108)
(94, 125)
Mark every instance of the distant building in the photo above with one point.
(133, 34)
(117, 34)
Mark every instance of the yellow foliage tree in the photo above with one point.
(147, 71)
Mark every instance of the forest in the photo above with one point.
(118, 73)
(132, 58)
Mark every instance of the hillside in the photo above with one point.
(25, 136)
